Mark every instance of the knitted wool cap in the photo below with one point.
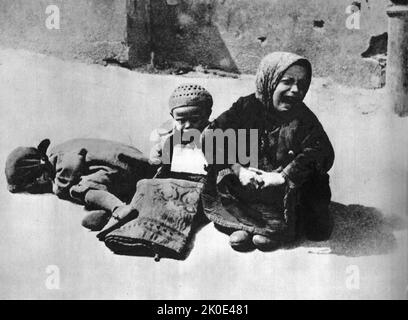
(190, 95)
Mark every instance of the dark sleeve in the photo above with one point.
(316, 156)
(230, 119)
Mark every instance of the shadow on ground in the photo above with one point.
(359, 231)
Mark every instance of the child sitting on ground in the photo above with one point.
(177, 150)
(99, 174)
(288, 195)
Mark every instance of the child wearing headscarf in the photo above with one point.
(99, 174)
(289, 192)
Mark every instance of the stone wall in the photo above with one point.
(90, 30)
(231, 35)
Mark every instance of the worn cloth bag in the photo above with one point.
(168, 212)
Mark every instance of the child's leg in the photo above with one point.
(315, 217)
(105, 203)
(96, 219)
(102, 200)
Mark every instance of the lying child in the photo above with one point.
(99, 174)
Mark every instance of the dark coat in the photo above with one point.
(299, 147)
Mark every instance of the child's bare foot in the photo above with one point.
(240, 240)
(264, 243)
(96, 220)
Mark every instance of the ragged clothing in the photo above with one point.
(95, 164)
(299, 147)
(292, 143)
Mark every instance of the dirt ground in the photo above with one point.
(41, 236)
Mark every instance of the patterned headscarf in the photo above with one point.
(271, 70)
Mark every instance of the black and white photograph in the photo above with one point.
(204, 150)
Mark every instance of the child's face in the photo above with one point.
(291, 89)
(187, 118)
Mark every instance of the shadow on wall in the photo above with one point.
(176, 35)
(360, 231)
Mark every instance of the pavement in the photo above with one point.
(46, 254)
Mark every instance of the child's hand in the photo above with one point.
(269, 179)
(249, 177)
(155, 156)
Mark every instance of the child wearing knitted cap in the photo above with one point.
(181, 159)
(177, 149)
(99, 174)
